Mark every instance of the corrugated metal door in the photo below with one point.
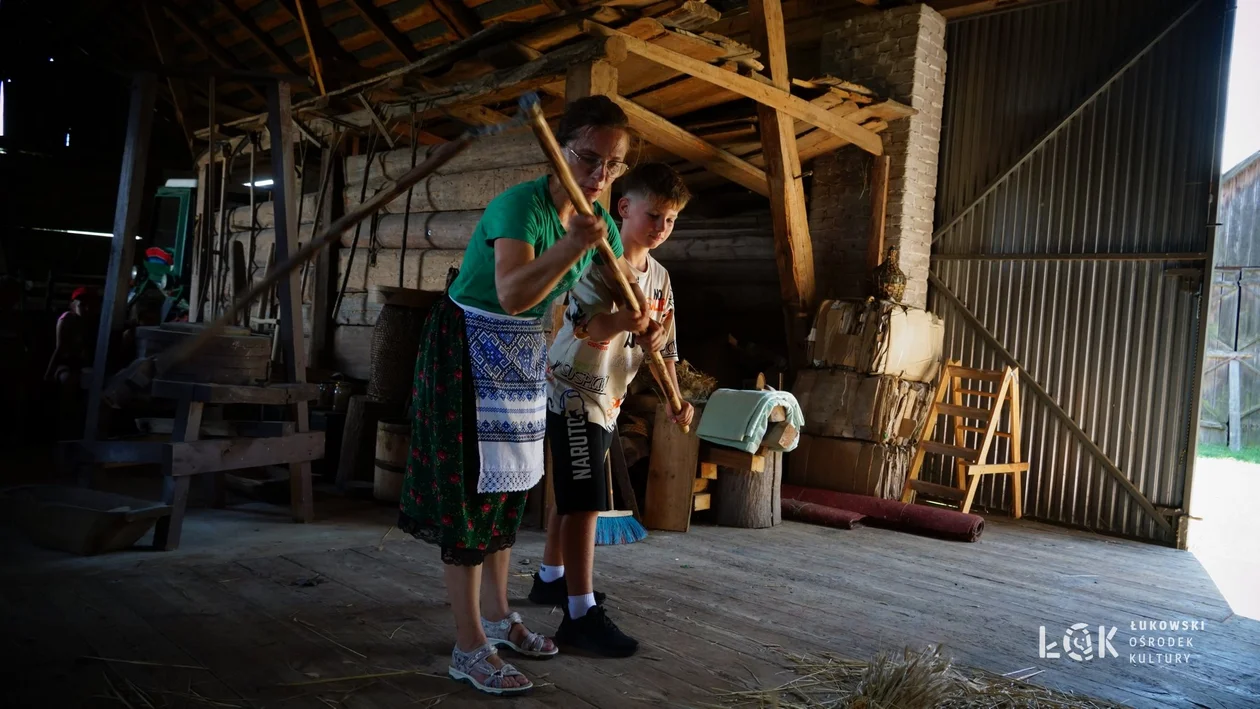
(1078, 166)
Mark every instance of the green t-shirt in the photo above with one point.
(523, 212)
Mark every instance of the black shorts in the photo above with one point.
(578, 451)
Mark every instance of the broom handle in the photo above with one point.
(547, 140)
(608, 474)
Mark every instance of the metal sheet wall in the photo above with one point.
(1029, 222)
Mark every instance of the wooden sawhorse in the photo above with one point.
(188, 454)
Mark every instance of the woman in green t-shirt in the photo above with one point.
(479, 400)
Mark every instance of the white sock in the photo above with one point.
(579, 605)
(550, 573)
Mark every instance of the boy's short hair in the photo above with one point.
(656, 180)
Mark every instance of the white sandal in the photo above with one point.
(464, 664)
(500, 635)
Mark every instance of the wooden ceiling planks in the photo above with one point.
(477, 84)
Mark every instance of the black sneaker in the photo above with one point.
(595, 632)
(555, 593)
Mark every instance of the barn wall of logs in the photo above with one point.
(723, 267)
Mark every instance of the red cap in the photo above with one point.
(159, 253)
(80, 293)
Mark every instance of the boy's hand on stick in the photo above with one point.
(682, 418)
(653, 340)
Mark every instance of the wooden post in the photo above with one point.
(280, 124)
(325, 262)
(879, 211)
(122, 250)
(195, 249)
(1235, 405)
(592, 79)
(793, 249)
(175, 488)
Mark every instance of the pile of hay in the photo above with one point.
(923, 680)
(694, 386)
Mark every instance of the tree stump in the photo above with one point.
(750, 500)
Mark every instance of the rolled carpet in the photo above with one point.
(821, 514)
(937, 521)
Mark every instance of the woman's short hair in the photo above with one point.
(590, 112)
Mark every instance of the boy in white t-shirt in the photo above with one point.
(595, 355)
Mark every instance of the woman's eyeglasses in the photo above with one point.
(591, 163)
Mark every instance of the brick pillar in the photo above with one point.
(899, 54)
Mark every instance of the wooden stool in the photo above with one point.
(971, 461)
(253, 444)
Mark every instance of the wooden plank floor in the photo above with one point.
(275, 612)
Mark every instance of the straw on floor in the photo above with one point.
(916, 680)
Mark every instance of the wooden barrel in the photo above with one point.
(235, 357)
(393, 444)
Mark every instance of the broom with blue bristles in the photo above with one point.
(617, 526)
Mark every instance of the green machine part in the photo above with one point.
(183, 227)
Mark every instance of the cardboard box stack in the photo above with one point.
(867, 396)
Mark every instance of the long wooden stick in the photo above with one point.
(551, 148)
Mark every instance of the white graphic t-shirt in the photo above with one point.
(595, 375)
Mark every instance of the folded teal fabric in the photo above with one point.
(738, 418)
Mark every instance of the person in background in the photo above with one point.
(73, 350)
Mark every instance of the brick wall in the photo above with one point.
(899, 54)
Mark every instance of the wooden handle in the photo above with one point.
(547, 140)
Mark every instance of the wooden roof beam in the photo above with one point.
(393, 37)
(793, 248)
(661, 133)
(207, 41)
(758, 91)
(166, 55)
(462, 20)
(263, 39)
(323, 41)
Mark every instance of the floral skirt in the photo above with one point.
(440, 503)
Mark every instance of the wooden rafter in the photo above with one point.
(207, 41)
(310, 48)
(156, 22)
(660, 132)
(380, 22)
(263, 39)
(758, 91)
(793, 249)
(398, 42)
(323, 41)
(462, 20)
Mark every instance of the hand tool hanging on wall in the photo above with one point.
(137, 376)
(402, 255)
(354, 245)
(531, 108)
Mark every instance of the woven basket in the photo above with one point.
(395, 342)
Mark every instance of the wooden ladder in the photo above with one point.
(971, 461)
